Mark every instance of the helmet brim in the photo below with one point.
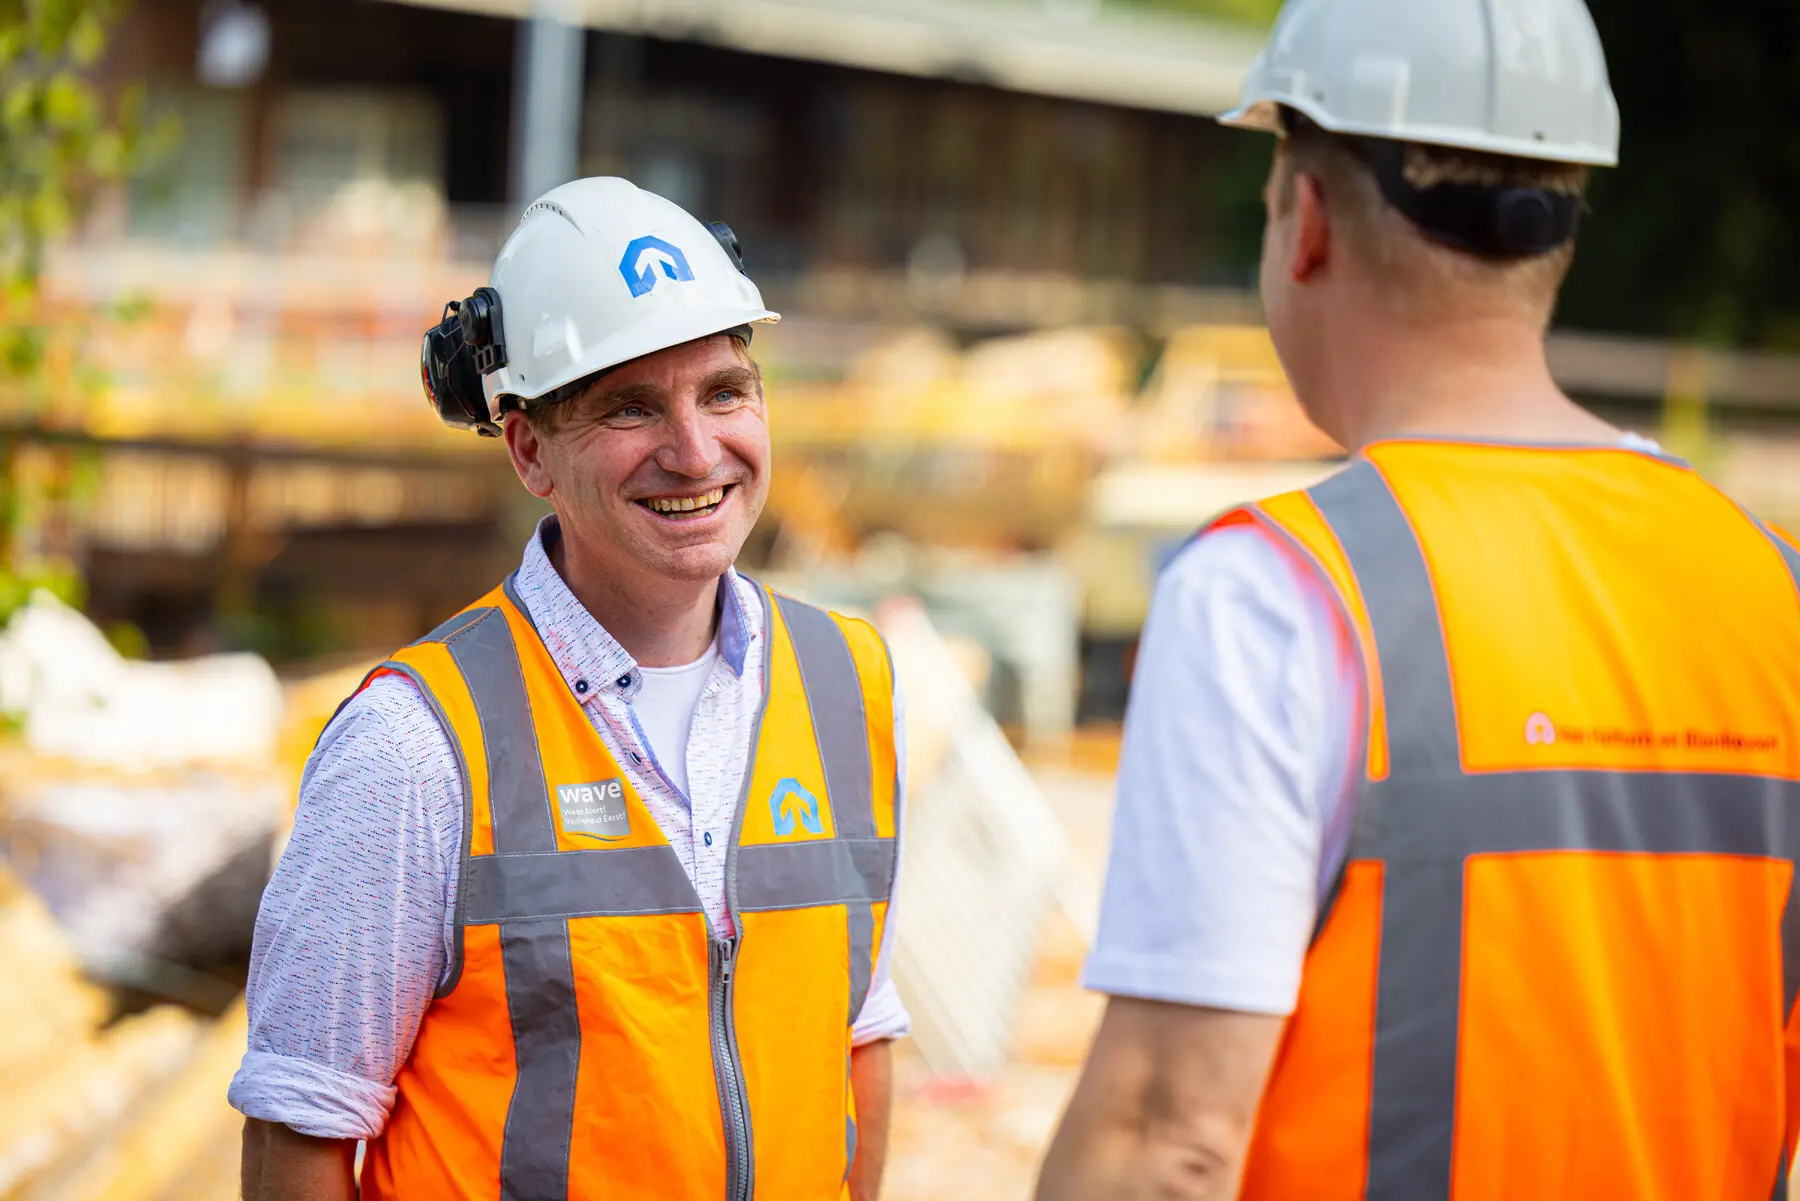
(645, 338)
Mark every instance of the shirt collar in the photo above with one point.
(590, 659)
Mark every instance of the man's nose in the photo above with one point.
(692, 446)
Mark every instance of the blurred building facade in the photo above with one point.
(249, 444)
(388, 128)
(1013, 328)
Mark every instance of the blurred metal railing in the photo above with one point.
(985, 858)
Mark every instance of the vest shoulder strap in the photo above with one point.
(848, 680)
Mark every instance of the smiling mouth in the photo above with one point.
(686, 508)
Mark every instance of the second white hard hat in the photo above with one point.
(599, 272)
(1519, 77)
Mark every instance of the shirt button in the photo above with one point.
(625, 680)
(708, 837)
(581, 685)
(636, 758)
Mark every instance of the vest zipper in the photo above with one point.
(728, 1072)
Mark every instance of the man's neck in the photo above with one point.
(1486, 380)
(668, 624)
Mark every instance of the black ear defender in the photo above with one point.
(734, 250)
(452, 381)
(1501, 223)
(466, 345)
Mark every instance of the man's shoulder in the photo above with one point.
(1240, 557)
(388, 717)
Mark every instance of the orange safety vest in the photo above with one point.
(595, 1037)
(1562, 956)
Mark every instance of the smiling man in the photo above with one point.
(589, 890)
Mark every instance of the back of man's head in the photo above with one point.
(1413, 274)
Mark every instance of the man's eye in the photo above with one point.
(632, 412)
(725, 396)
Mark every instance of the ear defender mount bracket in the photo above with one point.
(482, 330)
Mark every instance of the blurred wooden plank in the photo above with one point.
(182, 1136)
(52, 1118)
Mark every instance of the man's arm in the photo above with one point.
(872, 1083)
(1164, 1107)
(280, 1165)
(1235, 759)
(351, 939)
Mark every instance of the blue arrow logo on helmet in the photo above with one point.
(649, 260)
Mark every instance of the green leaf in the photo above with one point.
(87, 39)
(70, 104)
(21, 350)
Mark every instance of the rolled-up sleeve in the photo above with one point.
(352, 936)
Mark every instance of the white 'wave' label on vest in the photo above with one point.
(596, 810)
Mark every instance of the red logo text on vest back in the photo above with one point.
(1541, 731)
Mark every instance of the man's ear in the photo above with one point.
(527, 447)
(1312, 228)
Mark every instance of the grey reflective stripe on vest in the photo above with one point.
(540, 975)
(826, 871)
(840, 726)
(1790, 916)
(455, 625)
(1428, 821)
(485, 654)
(563, 884)
(540, 1118)
(1413, 1085)
(1402, 606)
(1427, 817)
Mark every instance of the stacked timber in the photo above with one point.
(68, 1078)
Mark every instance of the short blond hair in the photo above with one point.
(1418, 275)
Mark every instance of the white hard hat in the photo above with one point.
(1525, 78)
(600, 272)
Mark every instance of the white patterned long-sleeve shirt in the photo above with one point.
(355, 931)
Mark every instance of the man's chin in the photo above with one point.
(695, 564)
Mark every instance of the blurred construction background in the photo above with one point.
(1021, 362)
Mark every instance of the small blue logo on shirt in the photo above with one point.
(649, 260)
(791, 800)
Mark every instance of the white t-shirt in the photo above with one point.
(1237, 780)
(1237, 759)
(664, 708)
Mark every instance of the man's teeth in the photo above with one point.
(684, 504)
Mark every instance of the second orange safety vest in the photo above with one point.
(1562, 957)
(597, 1039)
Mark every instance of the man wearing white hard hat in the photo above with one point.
(588, 894)
(1460, 794)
